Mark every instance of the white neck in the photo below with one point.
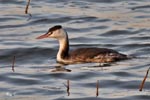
(63, 47)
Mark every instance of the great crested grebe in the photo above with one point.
(81, 55)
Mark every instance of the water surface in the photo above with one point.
(122, 25)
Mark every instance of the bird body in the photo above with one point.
(80, 55)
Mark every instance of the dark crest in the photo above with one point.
(55, 28)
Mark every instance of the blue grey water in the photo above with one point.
(122, 25)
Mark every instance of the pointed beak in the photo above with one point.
(43, 36)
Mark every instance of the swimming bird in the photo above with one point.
(80, 55)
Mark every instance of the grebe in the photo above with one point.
(81, 55)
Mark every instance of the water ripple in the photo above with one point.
(122, 25)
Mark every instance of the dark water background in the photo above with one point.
(123, 25)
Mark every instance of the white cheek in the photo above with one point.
(54, 35)
(51, 36)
